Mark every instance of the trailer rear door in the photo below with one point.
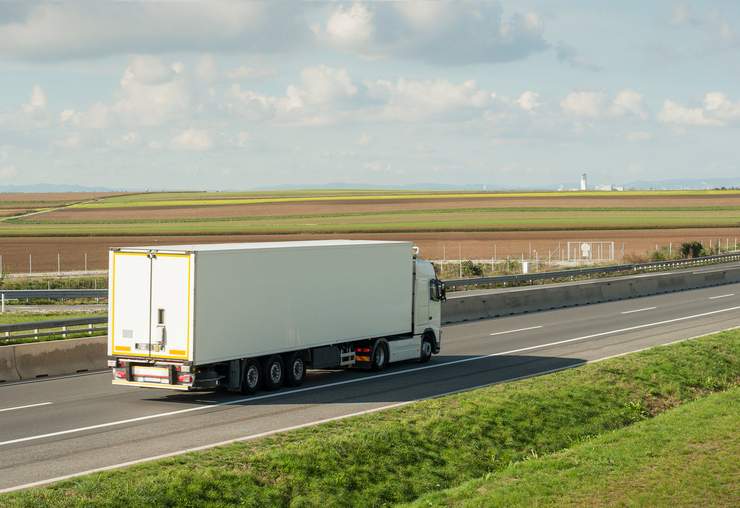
(150, 306)
(129, 325)
(170, 308)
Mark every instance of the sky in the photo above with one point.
(242, 95)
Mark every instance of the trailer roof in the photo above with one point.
(259, 245)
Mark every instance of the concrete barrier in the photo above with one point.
(508, 302)
(52, 358)
(8, 372)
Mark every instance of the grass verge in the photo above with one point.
(687, 456)
(398, 455)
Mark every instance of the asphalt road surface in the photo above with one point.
(57, 428)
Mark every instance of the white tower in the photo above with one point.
(584, 182)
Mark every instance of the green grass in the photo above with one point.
(400, 454)
(687, 456)
(85, 282)
(12, 318)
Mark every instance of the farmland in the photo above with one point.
(442, 223)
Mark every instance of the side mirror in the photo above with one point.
(437, 292)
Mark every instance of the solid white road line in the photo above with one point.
(24, 407)
(325, 420)
(638, 310)
(517, 330)
(721, 296)
(370, 377)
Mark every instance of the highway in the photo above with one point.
(57, 428)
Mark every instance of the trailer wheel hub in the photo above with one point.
(297, 368)
(253, 376)
(276, 373)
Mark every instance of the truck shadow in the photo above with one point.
(402, 382)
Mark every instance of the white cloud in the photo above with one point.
(628, 102)
(8, 172)
(50, 30)
(151, 93)
(583, 104)
(321, 93)
(37, 101)
(193, 139)
(716, 110)
(589, 104)
(350, 27)
(721, 107)
(435, 32)
(243, 73)
(529, 101)
(412, 100)
(674, 113)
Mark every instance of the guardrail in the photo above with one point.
(580, 272)
(60, 327)
(53, 294)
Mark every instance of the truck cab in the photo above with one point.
(429, 293)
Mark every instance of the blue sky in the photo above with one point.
(240, 95)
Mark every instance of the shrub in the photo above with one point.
(692, 249)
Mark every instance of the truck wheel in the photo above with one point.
(251, 377)
(274, 372)
(380, 356)
(296, 370)
(427, 347)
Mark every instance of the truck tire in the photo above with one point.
(274, 372)
(427, 348)
(380, 356)
(251, 377)
(296, 370)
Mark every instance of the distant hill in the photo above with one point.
(52, 187)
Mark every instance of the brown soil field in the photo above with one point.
(15, 251)
(359, 206)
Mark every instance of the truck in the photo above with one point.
(249, 316)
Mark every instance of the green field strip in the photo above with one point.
(484, 210)
(160, 200)
(454, 220)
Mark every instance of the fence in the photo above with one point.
(584, 272)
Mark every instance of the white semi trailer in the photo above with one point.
(245, 316)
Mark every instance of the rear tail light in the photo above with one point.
(185, 378)
(362, 350)
(119, 373)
